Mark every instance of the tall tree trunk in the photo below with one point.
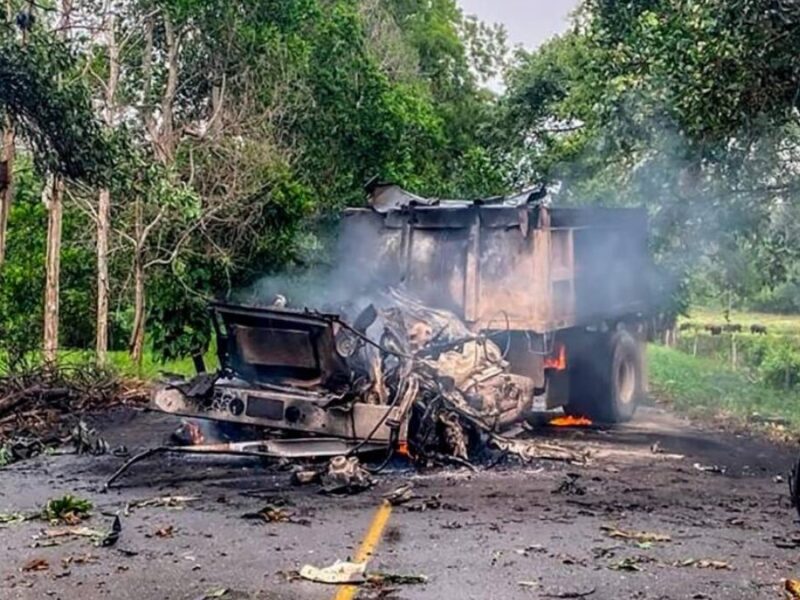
(55, 212)
(137, 336)
(103, 227)
(104, 198)
(6, 164)
(51, 292)
(6, 184)
(167, 137)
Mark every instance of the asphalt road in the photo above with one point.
(529, 531)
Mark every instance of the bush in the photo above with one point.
(774, 359)
(781, 364)
(784, 299)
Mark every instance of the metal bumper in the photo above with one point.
(292, 412)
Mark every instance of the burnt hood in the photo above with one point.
(281, 346)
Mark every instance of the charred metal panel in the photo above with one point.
(264, 408)
(437, 266)
(506, 271)
(522, 267)
(282, 346)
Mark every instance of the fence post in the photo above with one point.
(734, 358)
(694, 346)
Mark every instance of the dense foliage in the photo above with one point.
(235, 130)
(688, 107)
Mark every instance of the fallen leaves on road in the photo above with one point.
(275, 514)
(638, 536)
(269, 514)
(164, 532)
(787, 543)
(67, 509)
(79, 560)
(213, 593)
(172, 502)
(578, 594)
(7, 519)
(36, 564)
(75, 531)
(792, 587)
(538, 548)
(430, 503)
(703, 563)
(630, 563)
(396, 579)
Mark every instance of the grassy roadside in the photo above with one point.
(120, 362)
(705, 388)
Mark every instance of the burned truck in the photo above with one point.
(462, 314)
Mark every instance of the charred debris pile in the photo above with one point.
(399, 377)
(41, 407)
(453, 388)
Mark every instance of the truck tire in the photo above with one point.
(607, 382)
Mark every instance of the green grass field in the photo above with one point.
(152, 368)
(702, 387)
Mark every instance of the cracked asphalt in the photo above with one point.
(632, 523)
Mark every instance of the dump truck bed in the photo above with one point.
(522, 267)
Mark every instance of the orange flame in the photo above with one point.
(570, 421)
(402, 450)
(559, 363)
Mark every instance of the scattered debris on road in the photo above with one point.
(112, 537)
(342, 572)
(638, 536)
(36, 564)
(75, 531)
(275, 514)
(8, 519)
(87, 440)
(345, 476)
(400, 495)
(164, 532)
(338, 573)
(570, 486)
(169, 502)
(716, 469)
(704, 564)
(39, 407)
(570, 595)
(630, 563)
(792, 587)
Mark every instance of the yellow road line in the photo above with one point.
(368, 546)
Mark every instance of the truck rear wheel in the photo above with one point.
(607, 382)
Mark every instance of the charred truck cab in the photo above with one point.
(486, 305)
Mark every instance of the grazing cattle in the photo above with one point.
(758, 329)
(687, 326)
(732, 328)
(714, 329)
